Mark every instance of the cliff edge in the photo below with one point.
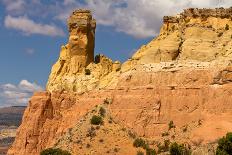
(182, 77)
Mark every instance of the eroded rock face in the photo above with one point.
(78, 53)
(183, 76)
(76, 70)
(81, 28)
(194, 35)
(143, 102)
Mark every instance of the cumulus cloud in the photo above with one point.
(138, 18)
(29, 27)
(14, 5)
(17, 94)
(141, 18)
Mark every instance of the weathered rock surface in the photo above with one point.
(196, 34)
(184, 76)
(77, 54)
(76, 70)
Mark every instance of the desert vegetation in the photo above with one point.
(179, 149)
(225, 145)
(52, 151)
(96, 120)
(139, 142)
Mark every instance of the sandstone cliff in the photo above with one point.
(183, 76)
(77, 58)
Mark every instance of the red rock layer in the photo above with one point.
(143, 102)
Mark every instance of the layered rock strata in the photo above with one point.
(183, 76)
(196, 34)
(76, 69)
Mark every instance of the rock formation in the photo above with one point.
(183, 76)
(191, 35)
(81, 28)
(76, 70)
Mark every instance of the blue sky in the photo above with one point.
(32, 32)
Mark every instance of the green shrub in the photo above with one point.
(185, 129)
(150, 151)
(140, 153)
(118, 69)
(96, 120)
(165, 134)
(227, 27)
(102, 111)
(179, 149)
(171, 125)
(107, 101)
(97, 59)
(164, 147)
(220, 34)
(52, 151)
(87, 72)
(225, 145)
(139, 142)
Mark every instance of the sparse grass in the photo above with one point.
(140, 153)
(107, 101)
(91, 132)
(164, 147)
(165, 134)
(171, 125)
(150, 151)
(102, 111)
(131, 134)
(139, 142)
(52, 151)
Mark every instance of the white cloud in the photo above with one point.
(141, 18)
(17, 94)
(29, 27)
(14, 5)
(138, 18)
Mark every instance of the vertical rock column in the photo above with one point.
(77, 54)
(81, 27)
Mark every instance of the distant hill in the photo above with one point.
(10, 119)
(11, 116)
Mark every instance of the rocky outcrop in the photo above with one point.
(78, 53)
(183, 76)
(195, 35)
(81, 28)
(143, 102)
(76, 69)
